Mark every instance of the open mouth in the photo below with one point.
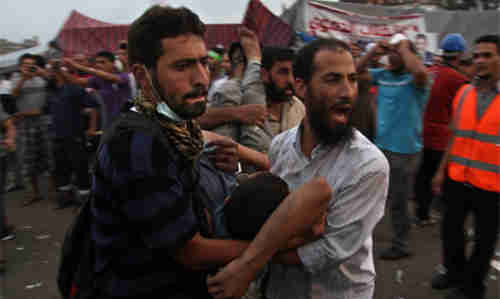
(195, 100)
(342, 113)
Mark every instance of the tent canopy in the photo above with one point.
(81, 34)
(85, 35)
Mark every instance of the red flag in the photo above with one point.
(271, 30)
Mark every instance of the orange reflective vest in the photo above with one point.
(475, 153)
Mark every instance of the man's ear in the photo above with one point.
(300, 88)
(140, 75)
(143, 81)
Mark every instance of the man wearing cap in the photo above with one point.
(402, 95)
(470, 173)
(466, 66)
(437, 117)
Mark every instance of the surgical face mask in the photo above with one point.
(161, 106)
(165, 110)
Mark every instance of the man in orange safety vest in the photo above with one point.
(471, 169)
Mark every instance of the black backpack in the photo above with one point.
(76, 278)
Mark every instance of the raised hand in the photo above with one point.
(250, 43)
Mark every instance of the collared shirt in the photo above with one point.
(292, 113)
(340, 264)
(485, 98)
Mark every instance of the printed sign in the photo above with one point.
(327, 21)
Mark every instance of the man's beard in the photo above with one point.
(276, 94)
(184, 110)
(317, 116)
(190, 111)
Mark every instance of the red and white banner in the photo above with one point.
(326, 21)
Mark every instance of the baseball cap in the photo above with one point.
(452, 44)
(396, 38)
(370, 46)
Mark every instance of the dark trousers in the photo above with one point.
(3, 174)
(71, 158)
(401, 182)
(460, 200)
(423, 188)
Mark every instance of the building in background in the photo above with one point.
(7, 46)
(436, 4)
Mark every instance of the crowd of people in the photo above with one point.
(260, 166)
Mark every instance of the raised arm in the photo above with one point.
(74, 79)
(252, 86)
(98, 73)
(363, 62)
(413, 63)
(251, 114)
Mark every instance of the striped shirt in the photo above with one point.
(142, 215)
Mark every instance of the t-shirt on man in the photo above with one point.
(66, 105)
(114, 95)
(438, 112)
(400, 106)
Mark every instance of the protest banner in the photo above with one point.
(327, 21)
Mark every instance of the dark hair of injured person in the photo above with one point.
(251, 204)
